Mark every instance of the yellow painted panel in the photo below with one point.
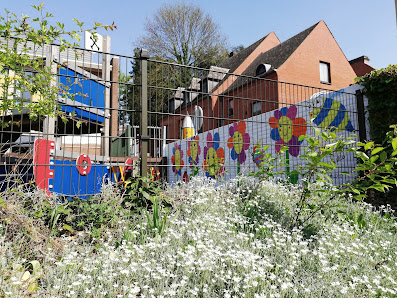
(33, 98)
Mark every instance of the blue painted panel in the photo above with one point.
(69, 182)
(83, 114)
(77, 83)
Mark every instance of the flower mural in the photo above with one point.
(214, 157)
(194, 150)
(177, 161)
(239, 141)
(286, 129)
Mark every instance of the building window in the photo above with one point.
(231, 107)
(325, 73)
(262, 69)
(256, 108)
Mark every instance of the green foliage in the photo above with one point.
(93, 215)
(161, 75)
(140, 191)
(316, 192)
(268, 167)
(380, 87)
(314, 170)
(377, 165)
(23, 77)
(156, 221)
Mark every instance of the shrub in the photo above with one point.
(380, 87)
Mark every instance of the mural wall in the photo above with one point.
(224, 152)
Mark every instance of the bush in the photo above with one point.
(380, 87)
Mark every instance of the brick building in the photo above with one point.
(361, 66)
(250, 82)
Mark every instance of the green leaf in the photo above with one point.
(33, 287)
(376, 150)
(380, 187)
(374, 158)
(362, 155)
(394, 143)
(327, 165)
(368, 145)
(324, 136)
(383, 156)
(316, 131)
(68, 228)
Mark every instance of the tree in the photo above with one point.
(162, 78)
(177, 33)
(184, 34)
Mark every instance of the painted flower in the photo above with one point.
(214, 157)
(194, 150)
(239, 141)
(286, 129)
(177, 161)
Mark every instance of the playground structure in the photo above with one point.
(75, 158)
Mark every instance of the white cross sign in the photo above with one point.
(91, 43)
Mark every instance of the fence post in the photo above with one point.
(143, 132)
(362, 130)
(106, 79)
(50, 122)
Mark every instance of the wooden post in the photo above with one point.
(49, 122)
(114, 99)
(106, 79)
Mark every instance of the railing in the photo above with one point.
(130, 111)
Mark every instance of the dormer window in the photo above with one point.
(262, 69)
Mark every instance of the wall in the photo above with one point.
(210, 104)
(183, 160)
(302, 67)
(361, 68)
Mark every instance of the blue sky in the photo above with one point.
(361, 27)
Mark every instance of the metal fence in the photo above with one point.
(130, 113)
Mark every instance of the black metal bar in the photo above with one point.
(362, 130)
(144, 139)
